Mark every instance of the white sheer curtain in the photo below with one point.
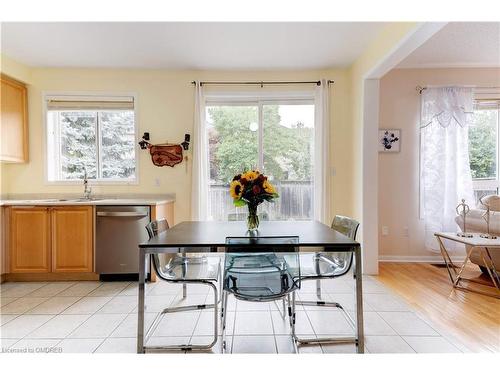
(322, 153)
(199, 185)
(445, 175)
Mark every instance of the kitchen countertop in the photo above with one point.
(71, 200)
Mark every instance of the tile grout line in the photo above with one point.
(109, 336)
(69, 286)
(198, 319)
(61, 313)
(234, 325)
(274, 331)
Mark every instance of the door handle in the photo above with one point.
(122, 214)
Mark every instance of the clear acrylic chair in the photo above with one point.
(260, 269)
(328, 265)
(178, 268)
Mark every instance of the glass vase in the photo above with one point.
(253, 218)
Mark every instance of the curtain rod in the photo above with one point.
(420, 88)
(261, 83)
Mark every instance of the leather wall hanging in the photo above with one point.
(165, 154)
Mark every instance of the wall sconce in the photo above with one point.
(185, 144)
(144, 143)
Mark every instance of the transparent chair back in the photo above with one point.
(173, 267)
(154, 228)
(261, 268)
(349, 228)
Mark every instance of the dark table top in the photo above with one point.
(214, 233)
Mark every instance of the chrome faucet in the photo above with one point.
(86, 189)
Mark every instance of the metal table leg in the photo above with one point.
(141, 292)
(360, 337)
(491, 268)
(456, 276)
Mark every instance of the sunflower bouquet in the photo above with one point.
(251, 188)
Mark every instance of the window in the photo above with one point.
(274, 136)
(96, 135)
(483, 148)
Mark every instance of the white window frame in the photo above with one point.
(46, 95)
(252, 99)
(490, 183)
(259, 100)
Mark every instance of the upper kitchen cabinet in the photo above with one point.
(14, 121)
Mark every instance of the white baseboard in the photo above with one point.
(417, 259)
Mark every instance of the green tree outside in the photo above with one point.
(234, 147)
(483, 143)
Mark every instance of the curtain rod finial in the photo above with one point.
(420, 89)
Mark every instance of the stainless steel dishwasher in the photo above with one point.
(119, 230)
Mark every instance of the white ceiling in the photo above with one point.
(188, 45)
(459, 44)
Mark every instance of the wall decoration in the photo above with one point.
(389, 140)
(165, 154)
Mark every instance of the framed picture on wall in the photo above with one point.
(389, 140)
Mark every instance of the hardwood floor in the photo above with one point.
(471, 318)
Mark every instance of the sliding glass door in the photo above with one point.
(273, 136)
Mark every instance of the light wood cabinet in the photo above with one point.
(13, 120)
(29, 239)
(72, 239)
(4, 267)
(51, 239)
(163, 211)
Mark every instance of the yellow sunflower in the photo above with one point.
(236, 189)
(268, 187)
(250, 175)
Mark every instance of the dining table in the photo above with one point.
(199, 236)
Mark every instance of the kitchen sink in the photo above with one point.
(85, 199)
(62, 200)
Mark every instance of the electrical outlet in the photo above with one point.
(334, 171)
(157, 181)
(385, 230)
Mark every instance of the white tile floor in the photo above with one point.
(87, 317)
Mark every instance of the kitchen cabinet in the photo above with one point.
(51, 239)
(163, 211)
(72, 240)
(13, 120)
(55, 242)
(3, 236)
(29, 240)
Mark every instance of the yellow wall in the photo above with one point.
(165, 109)
(15, 69)
(388, 39)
